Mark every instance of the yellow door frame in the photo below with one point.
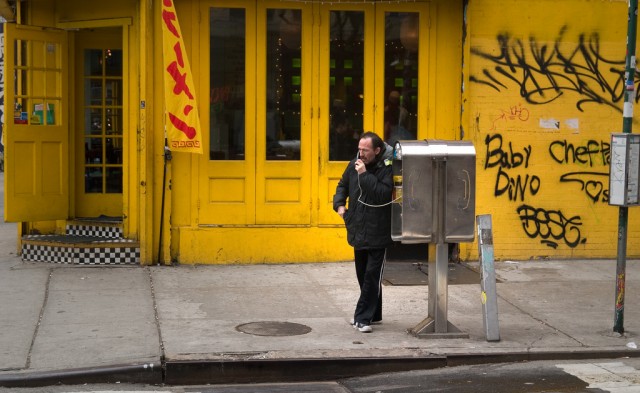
(132, 170)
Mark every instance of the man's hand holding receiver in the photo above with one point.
(360, 167)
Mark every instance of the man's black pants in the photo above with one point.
(369, 269)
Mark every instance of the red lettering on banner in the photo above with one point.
(178, 123)
(169, 18)
(180, 79)
(177, 49)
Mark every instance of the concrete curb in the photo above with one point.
(234, 371)
(290, 370)
(185, 372)
(149, 373)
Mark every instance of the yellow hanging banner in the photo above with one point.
(182, 120)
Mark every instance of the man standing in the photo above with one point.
(367, 184)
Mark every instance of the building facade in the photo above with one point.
(284, 88)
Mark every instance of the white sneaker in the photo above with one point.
(363, 328)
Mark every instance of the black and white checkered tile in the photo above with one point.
(82, 245)
(94, 230)
(52, 254)
(81, 255)
(107, 256)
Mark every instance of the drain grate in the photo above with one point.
(273, 328)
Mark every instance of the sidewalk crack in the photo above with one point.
(157, 318)
(42, 309)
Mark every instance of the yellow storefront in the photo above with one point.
(283, 89)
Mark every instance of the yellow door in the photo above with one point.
(36, 124)
(284, 116)
(99, 122)
(346, 94)
(291, 86)
(227, 61)
(257, 169)
(369, 81)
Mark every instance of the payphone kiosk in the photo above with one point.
(434, 203)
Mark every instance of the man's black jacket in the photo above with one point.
(367, 227)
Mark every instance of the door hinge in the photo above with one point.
(198, 204)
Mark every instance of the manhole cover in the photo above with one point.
(271, 328)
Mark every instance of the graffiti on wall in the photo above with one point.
(551, 226)
(593, 154)
(545, 178)
(505, 159)
(543, 72)
(512, 114)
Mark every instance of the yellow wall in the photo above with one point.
(544, 94)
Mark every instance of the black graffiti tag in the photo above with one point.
(544, 72)
(592, 187)
(593, 153)
(550, 225)
(513, 186)
(516, 186)
(505, 159)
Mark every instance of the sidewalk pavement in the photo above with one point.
(182, 324)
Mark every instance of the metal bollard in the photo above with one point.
(488, 279)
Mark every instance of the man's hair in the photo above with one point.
(376, 141)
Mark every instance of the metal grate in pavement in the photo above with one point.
(273, 328)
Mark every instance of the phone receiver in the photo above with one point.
(358, 155)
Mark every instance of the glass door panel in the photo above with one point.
(346, 91)
(401, 78)
(284, 83)
(227, 50)
(346, 83)
(102, 122)
(401, 43)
